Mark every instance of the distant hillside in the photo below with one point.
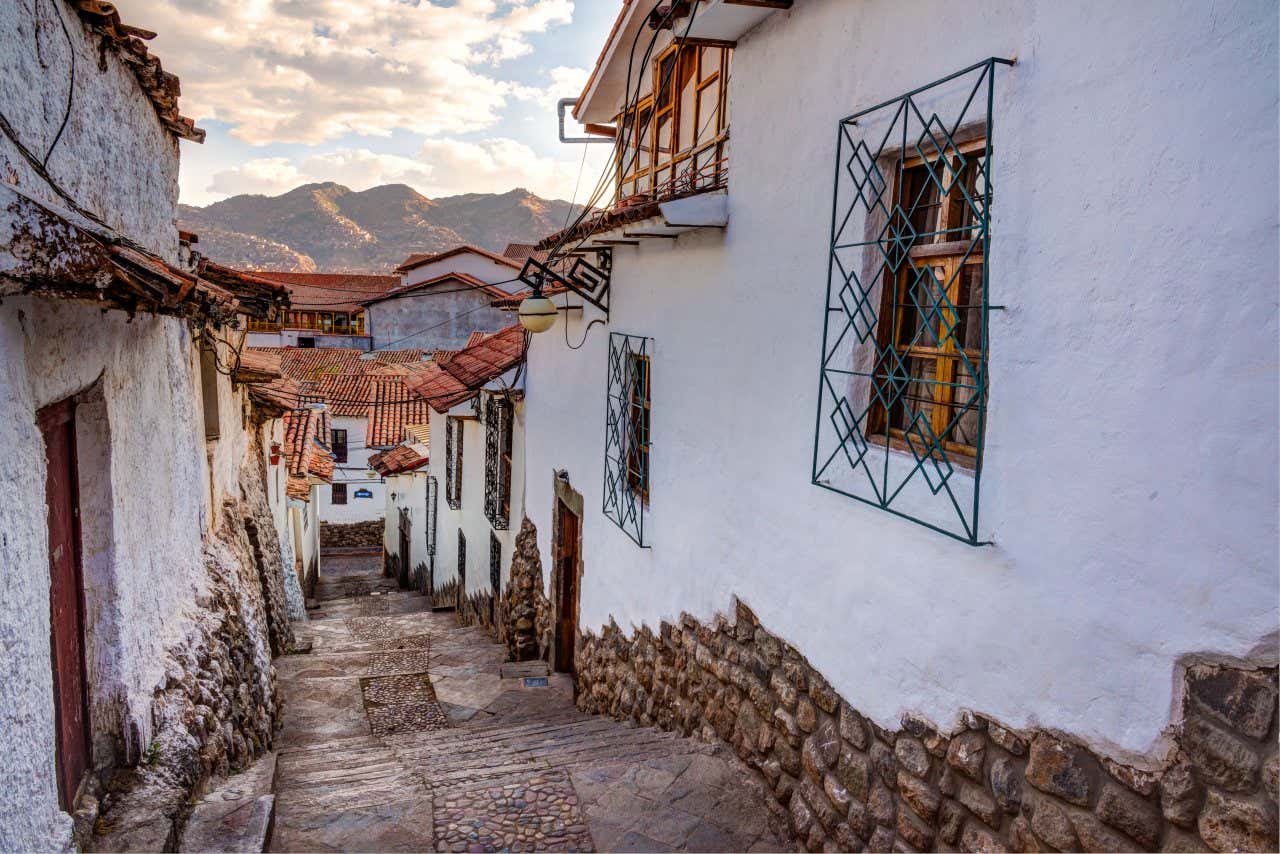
(330, 227)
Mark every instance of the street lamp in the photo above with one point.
(537, 313)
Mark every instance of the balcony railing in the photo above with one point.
(324, 322)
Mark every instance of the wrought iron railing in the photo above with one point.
(628, 438)
(903, 385)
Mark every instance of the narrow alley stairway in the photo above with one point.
(402, 733)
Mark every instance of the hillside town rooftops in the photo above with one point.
(420, 258)
(161, 87)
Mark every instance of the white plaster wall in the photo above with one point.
(471, 518)
(1130, 477)
(356, 474)
(153, 568)
(114, 158)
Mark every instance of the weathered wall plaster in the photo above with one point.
(1129, 482)
(114, 157)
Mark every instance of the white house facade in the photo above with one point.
(143, 584)
(909, 409)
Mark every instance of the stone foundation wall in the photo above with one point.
(445, 596)
(841, 782)
(352, 535)
(218, 706)
(526, 611)
(477, 610)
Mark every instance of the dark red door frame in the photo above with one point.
(66, 599)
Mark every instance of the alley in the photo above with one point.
(404, 731)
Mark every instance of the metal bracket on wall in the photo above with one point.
(587, 280)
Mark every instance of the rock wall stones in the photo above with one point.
(526, 611)
(842, 782)
(217, 708)
(352, 535)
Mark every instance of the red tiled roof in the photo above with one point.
(521, 252)
(330, 291)
(419, 258)
(448, 384)
(159, 85)
(602, 220)
(392, 405)
(314, 363)
(346, 394)
(400, 459)
(498, 353)
(257, 366)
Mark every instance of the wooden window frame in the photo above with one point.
(630, 172)
(338, 444)
(951, 256)
(639, 415)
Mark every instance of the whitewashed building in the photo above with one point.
(142, 584)
(926, 450)
(451, 527)
(442, 298)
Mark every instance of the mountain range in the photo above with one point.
(329, 227)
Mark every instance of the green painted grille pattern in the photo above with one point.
(627, 434)
(916, 473)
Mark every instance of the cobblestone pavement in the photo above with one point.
(401, 734)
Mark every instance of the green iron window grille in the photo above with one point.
(903, 386)
(497, 461)
(627, 434)
(453, 462)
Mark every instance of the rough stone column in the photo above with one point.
(526, 612)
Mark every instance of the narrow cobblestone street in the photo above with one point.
(401, 733)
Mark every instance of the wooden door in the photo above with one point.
(405, 569)
(567, 592)
(66, 599)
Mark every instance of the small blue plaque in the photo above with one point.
(535, 682)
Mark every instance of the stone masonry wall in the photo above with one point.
(526, 611)
(218, 707)
(352, 535)
(841, 782)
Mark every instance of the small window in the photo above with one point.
(628, 434)
(338, 494)
(307, 342)
(497, 468)
(453, 462)
(338, 444)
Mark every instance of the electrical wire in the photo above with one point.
(410, 294)
(71, 87)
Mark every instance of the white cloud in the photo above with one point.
(306, 71)
(445, 168)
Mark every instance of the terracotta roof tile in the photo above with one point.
(161, 86)
(330, 291)
(397, 460)
(392, 405)
(257, 366)
(446, 384)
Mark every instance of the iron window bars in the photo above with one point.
(453, 462)
(627, 434)
(903, 385)
(497, 461)
(433, 492)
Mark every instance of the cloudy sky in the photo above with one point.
(448, 96)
